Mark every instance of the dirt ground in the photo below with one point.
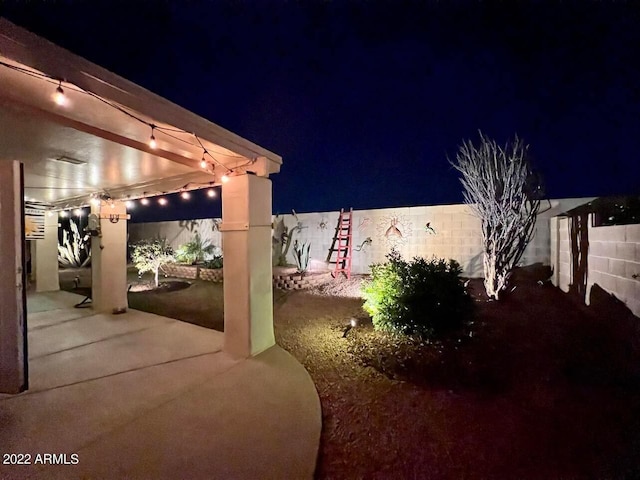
(541, 386)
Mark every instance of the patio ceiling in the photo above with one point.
(98, 141)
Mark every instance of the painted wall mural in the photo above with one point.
(394, 230)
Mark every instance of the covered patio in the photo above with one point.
(134, 394)
(143, 396)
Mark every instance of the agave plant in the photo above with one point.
(75, 250)
(301, 256)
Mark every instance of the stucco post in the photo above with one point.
(13, 319)
(109, 258)
(45, 257)
(246, 243)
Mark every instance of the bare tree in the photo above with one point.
(502, 191)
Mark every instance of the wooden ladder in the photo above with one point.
(342, 243)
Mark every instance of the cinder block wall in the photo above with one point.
(454, 233)
(614, 257)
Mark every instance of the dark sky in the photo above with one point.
(365, 100)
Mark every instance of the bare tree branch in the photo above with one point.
(501, 190)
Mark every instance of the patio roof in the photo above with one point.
(98, 141)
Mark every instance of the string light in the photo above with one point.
(64, 213)
(211, 193)
(162, 201)
(50, 213)
(59, 97)
(144, 201)
(152, 140)
(77, 212)
(185, 195)
(129, 204)
(224, 178)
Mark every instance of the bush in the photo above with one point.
(215, 262)
(421, 297)
(195, 250)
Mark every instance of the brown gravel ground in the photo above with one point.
(540, 387)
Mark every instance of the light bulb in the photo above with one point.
(211, 193)
(63, 213)
(59, 97)
(144, 201)
(113, 205)
(152, 142)
(50, 213)
(225, 178)
(185, 195)
(203, 163)
(129, 204)
(162, 201)
(77, 212)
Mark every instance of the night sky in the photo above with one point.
(365, 101)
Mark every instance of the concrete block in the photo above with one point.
(599, 264)
(633, 233)
(608, 282)
(625, 289)
(625, 251)
(615, 233)
(634, 306)
(631, 269)
(616, 267)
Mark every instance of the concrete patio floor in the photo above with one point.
(142, 396)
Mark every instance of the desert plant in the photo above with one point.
(301, 256)
(503, 192)
(151, 255)
(195, 250)
(75, 250)
(418, 297)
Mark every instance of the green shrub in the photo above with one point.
(215, 262)
(195, 250)
(420, 297)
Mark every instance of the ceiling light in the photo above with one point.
(152, 140)
(59, 97)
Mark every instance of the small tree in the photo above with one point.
(503, 192)
(151, 255)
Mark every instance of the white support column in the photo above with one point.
(45, 257)
(246, 243)
(13, 321)
(109, 259)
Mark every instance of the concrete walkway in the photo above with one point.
(143, 396)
